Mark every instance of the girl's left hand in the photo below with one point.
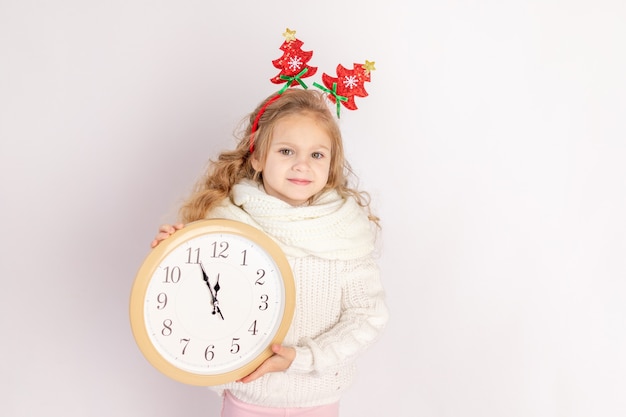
(278, 362)
(165, 231)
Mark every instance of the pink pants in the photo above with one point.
(232, 407)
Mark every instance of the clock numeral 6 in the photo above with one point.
(208, 353)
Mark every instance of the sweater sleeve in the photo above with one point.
(363, 316)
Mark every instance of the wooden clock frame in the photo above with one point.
(150, 266)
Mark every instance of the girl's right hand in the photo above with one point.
(165, 231)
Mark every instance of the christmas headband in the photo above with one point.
(293, 66)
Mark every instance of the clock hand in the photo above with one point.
(214, 301)
(217, 287)
(218, 310)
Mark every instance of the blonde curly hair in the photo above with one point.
(235, 165)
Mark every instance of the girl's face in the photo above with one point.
(298, 160)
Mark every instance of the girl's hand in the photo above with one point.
(278, 362)
(165, 231)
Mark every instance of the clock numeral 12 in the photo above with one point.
(222, 253)
(208, 353)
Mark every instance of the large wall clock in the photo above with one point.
(208, 302)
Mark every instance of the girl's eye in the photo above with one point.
(286, 151)
(317, 155)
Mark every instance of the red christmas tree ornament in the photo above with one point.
(293, 64)
(348, 84)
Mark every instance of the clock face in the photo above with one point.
(208, 305)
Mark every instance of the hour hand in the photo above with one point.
(216, 287)
(216, 308)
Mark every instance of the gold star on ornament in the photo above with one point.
(290, 35)
(369, 66)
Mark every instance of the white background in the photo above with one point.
(492, 142)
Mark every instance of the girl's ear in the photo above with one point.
(256, 164)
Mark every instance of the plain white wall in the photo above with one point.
(492, 142)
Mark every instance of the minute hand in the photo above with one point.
(215, 302)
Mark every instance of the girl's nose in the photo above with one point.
(301, 163)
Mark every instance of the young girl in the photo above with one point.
(288, 177)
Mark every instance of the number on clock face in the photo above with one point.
(213, 303)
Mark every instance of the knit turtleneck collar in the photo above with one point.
(332, 227)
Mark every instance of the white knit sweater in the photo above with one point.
(340, 307)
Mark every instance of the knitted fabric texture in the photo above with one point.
(332, 228)
(340, 307)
